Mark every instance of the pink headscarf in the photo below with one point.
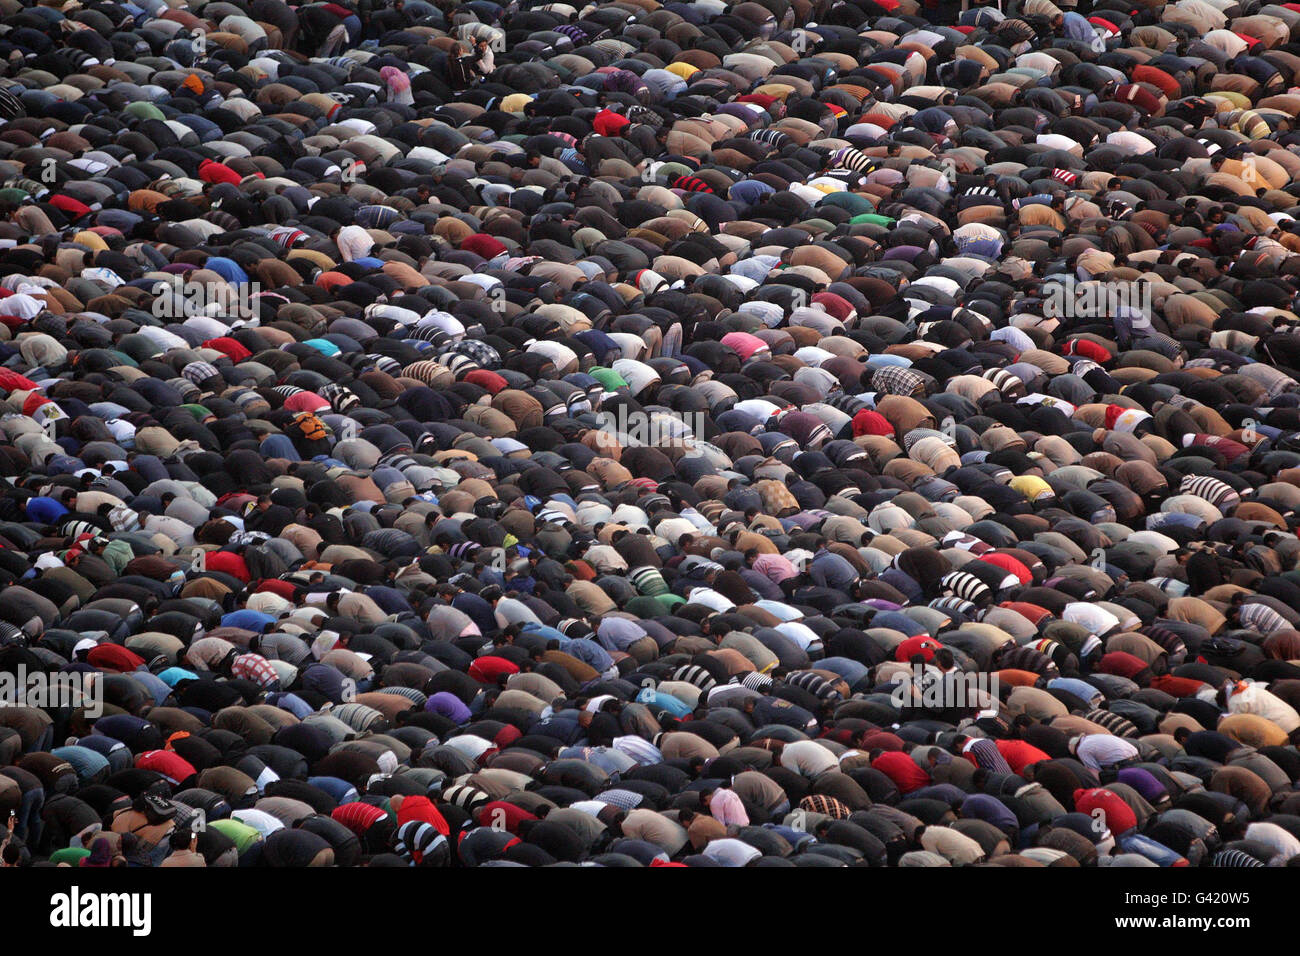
(399, 85)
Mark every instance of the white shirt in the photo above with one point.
(1276, 837)
(801, 634)
(807, 757)
(1100, 750)
(1095, 619)
(731, 852)
(710, 599)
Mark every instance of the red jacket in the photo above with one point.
(275, 586)
(1118, 815)
(836, 305)
(487, 669)
(227, 562)
(210, 172)
(1157, 78)
(1087, 349)
(66, 204)
(1008, 564)
(882, 740)
(229, 347)
(1019, 754)
(1123, 664)
(114, 657)
(1030, 612)
(168, 763)
(867, 422)
(1135, 95)
(922, 644)
(422, 809)
(481, 244)
(901, 769)
(505, 816)
(609, 123)
(486, 378)
(1177, 686)
(10, 380)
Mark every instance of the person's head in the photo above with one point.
(1181, 734)
(180, 839)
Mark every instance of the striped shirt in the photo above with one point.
(694, 674)
(967, 587)
(690, 184)
(1262, 619)
(850, 158)
(358, 817)
(815, 684)
(1216, 492)
(772, 137)
(1118, 725)
(984, 753)
(648, 580)
(1238, 858)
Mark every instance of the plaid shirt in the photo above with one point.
(894, 380)
(626, 800)
(256, 668)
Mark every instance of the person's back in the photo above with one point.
(1210, 744)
